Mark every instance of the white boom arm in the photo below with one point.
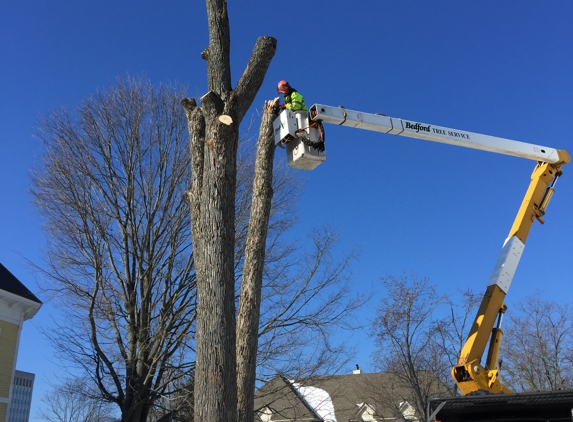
(412, 129)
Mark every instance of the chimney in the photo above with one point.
(357, 371)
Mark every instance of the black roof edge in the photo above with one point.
(9, 283)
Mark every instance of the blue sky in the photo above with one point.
(498, 68)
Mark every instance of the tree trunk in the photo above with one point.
(252, 281)
(213, 148)
(214, 129)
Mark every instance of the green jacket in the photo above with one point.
(294, 101)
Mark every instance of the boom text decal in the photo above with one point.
(419, 127)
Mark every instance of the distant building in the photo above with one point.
(21, 401)
(17, 304)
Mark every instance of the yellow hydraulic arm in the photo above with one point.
(469, 374)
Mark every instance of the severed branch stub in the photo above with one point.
(226, 119)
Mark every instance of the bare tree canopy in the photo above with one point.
(73, 401)
(538, 345)
(112, 196)
(307, 298)
(419, 335)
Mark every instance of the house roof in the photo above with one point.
(282, 399)
(349, 393)
(9, 283)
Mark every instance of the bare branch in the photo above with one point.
(219, 50)
(253, 76)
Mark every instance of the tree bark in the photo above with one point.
(251, 284)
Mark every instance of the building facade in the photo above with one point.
(22, 387)
(17, 304)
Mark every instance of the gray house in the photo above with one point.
(358, 397)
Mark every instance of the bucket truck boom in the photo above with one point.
(297, 131)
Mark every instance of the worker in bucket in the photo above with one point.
(294, 101)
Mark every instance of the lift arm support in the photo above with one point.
(469, 374)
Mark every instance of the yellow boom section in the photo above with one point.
(469, 374)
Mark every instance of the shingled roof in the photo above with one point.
(380, 393)
(9, 283)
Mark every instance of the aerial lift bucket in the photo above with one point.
(291, 130)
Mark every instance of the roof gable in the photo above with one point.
(282, 402)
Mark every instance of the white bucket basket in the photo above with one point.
(290, 128)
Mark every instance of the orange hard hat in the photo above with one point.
(283, 87)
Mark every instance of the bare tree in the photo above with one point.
(110, 204)
(214, 128)
(305, 299)
(302, 301)
(303, 291)
(451, 330)
(141, 294)
(112, 196)
(408, 338)
(74, 401)
(538, 345)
